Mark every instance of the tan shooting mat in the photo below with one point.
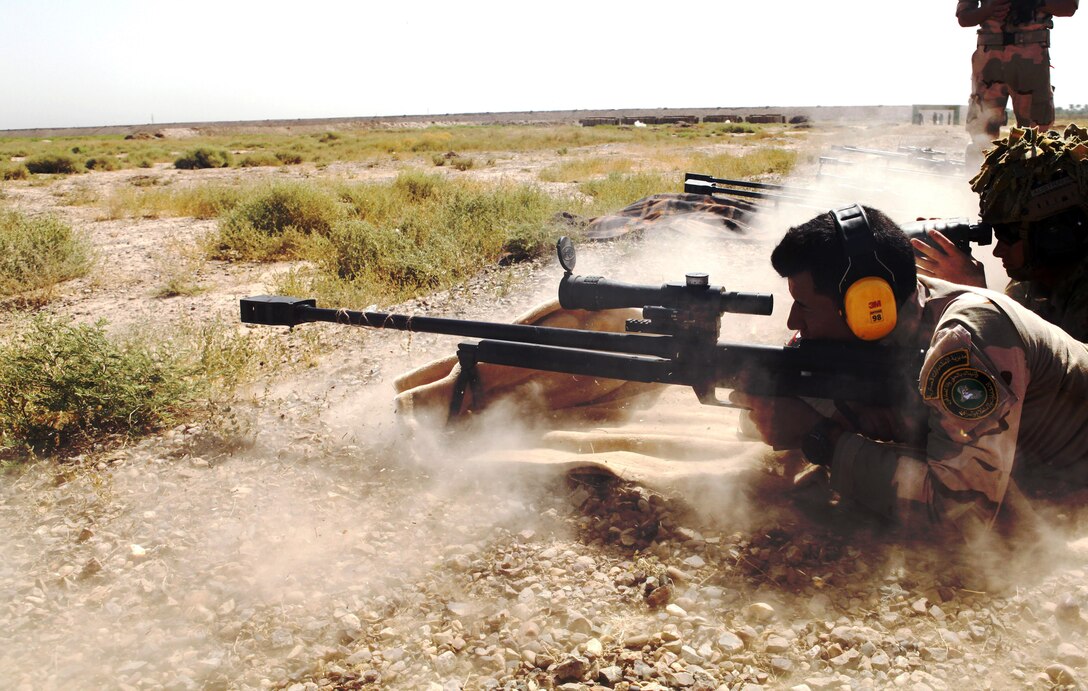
(655, 435)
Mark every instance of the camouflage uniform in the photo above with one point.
(1002, 396)
(1066, 305)
(1011, 60)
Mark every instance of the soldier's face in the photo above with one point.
(1011, 255)
(814, 315)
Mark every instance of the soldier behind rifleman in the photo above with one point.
(1012, 60)
(1033, 190)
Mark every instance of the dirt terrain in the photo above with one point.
(312, 541)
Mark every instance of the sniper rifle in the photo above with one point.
(676, 342)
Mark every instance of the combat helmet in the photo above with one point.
(1035, 185)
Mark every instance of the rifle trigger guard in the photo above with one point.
(708, 395)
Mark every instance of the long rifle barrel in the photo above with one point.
(276, 310)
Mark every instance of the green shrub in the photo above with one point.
(289, 158)
(462, 163)
(38, 252)
(204, 157)
(272, 223)
(425, 232)
(735, 128)
(417, 187)
(259, 158)
(60, 164)
(141, 160)
(62, 384)
(103, 163)
(15, 172)
(361, 251)
(617, 191)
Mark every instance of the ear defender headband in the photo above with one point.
(866, 287)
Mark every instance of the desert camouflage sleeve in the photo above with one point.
(973, 383)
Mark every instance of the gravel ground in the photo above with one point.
(304, 542)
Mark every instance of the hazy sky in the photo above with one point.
(105, 62)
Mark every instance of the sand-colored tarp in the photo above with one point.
(655, 435)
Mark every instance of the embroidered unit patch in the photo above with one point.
(953, 361)
(968, 393)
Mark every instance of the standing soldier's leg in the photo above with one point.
(1028, 75)
(986, 110)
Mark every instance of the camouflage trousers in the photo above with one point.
(998, 73)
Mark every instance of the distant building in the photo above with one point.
(765, 118)
(724, 117)
(935, 115)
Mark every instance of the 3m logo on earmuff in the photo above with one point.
(866, 287)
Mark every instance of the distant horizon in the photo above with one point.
(678, 110)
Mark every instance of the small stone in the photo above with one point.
(1071, 655)
(694, 562)
(445, 663)
(1061, 674)
(571, 669)
(759, 612)
(729, 642)
(781, 666)
(659, 597)
(610, 676)
(636, 641)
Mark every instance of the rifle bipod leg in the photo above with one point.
(466, 377)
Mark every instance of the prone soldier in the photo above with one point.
(1000, 393)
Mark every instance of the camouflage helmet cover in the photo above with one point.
(1029, 176)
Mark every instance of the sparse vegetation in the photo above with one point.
(64, 385)
(203, 157)
(617, 191)
(274, 221)
(103, 163)
(54, 163)
(36, 253)
(259, 158)
(151, 197)
(585, 168)
(17, 171)
(391, 240)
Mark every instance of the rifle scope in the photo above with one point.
(596, 293)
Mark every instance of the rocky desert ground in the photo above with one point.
(312, 542)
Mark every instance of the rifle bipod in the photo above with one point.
(468, 376)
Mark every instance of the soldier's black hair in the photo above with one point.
(816, 246)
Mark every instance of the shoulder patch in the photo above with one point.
(954, 360)
(968, 393)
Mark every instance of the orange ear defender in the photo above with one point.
(867, 285)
